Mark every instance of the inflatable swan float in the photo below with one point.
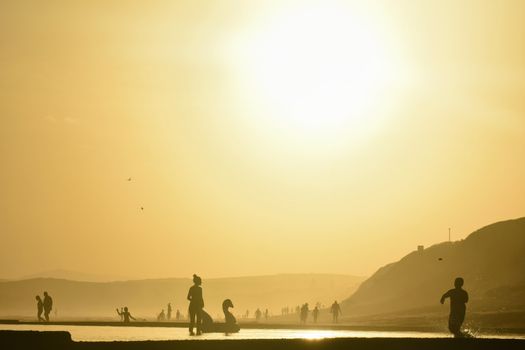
(229, 326)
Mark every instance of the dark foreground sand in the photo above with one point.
(62, 340)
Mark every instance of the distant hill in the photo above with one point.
(74, 276)
(145, 298)
(491, 260)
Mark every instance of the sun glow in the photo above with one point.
(320, 70)
(314, 334)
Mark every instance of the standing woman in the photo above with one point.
(196, 304)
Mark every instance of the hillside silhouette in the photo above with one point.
(491, 260)
(145, 298)
(73, 276)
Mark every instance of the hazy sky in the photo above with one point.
(260, 136)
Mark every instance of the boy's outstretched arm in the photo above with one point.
(443, 297)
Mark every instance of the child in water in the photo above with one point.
(458, 298)
(125, 315)
(196, 304)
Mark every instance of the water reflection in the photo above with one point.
(98, 333)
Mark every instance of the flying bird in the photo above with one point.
(440, 259)
(129, 178)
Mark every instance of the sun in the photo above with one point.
(320, 69)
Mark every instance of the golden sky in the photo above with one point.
(260, 136)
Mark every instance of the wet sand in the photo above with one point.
(62, 340)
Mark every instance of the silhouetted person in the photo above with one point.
(258, 315)
(125, 315)
(169, 311)
(161, 316)
(48, 305)
(177, 315)
(196, 304)
(39, 308)
(315, 313)
(266, 313)
(458, 298)
(304, 312)
(335, 309)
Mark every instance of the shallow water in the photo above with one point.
(108, 333)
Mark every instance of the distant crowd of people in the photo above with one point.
(458, 299)
(304, 311)
(259, 314)
(162, 316)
